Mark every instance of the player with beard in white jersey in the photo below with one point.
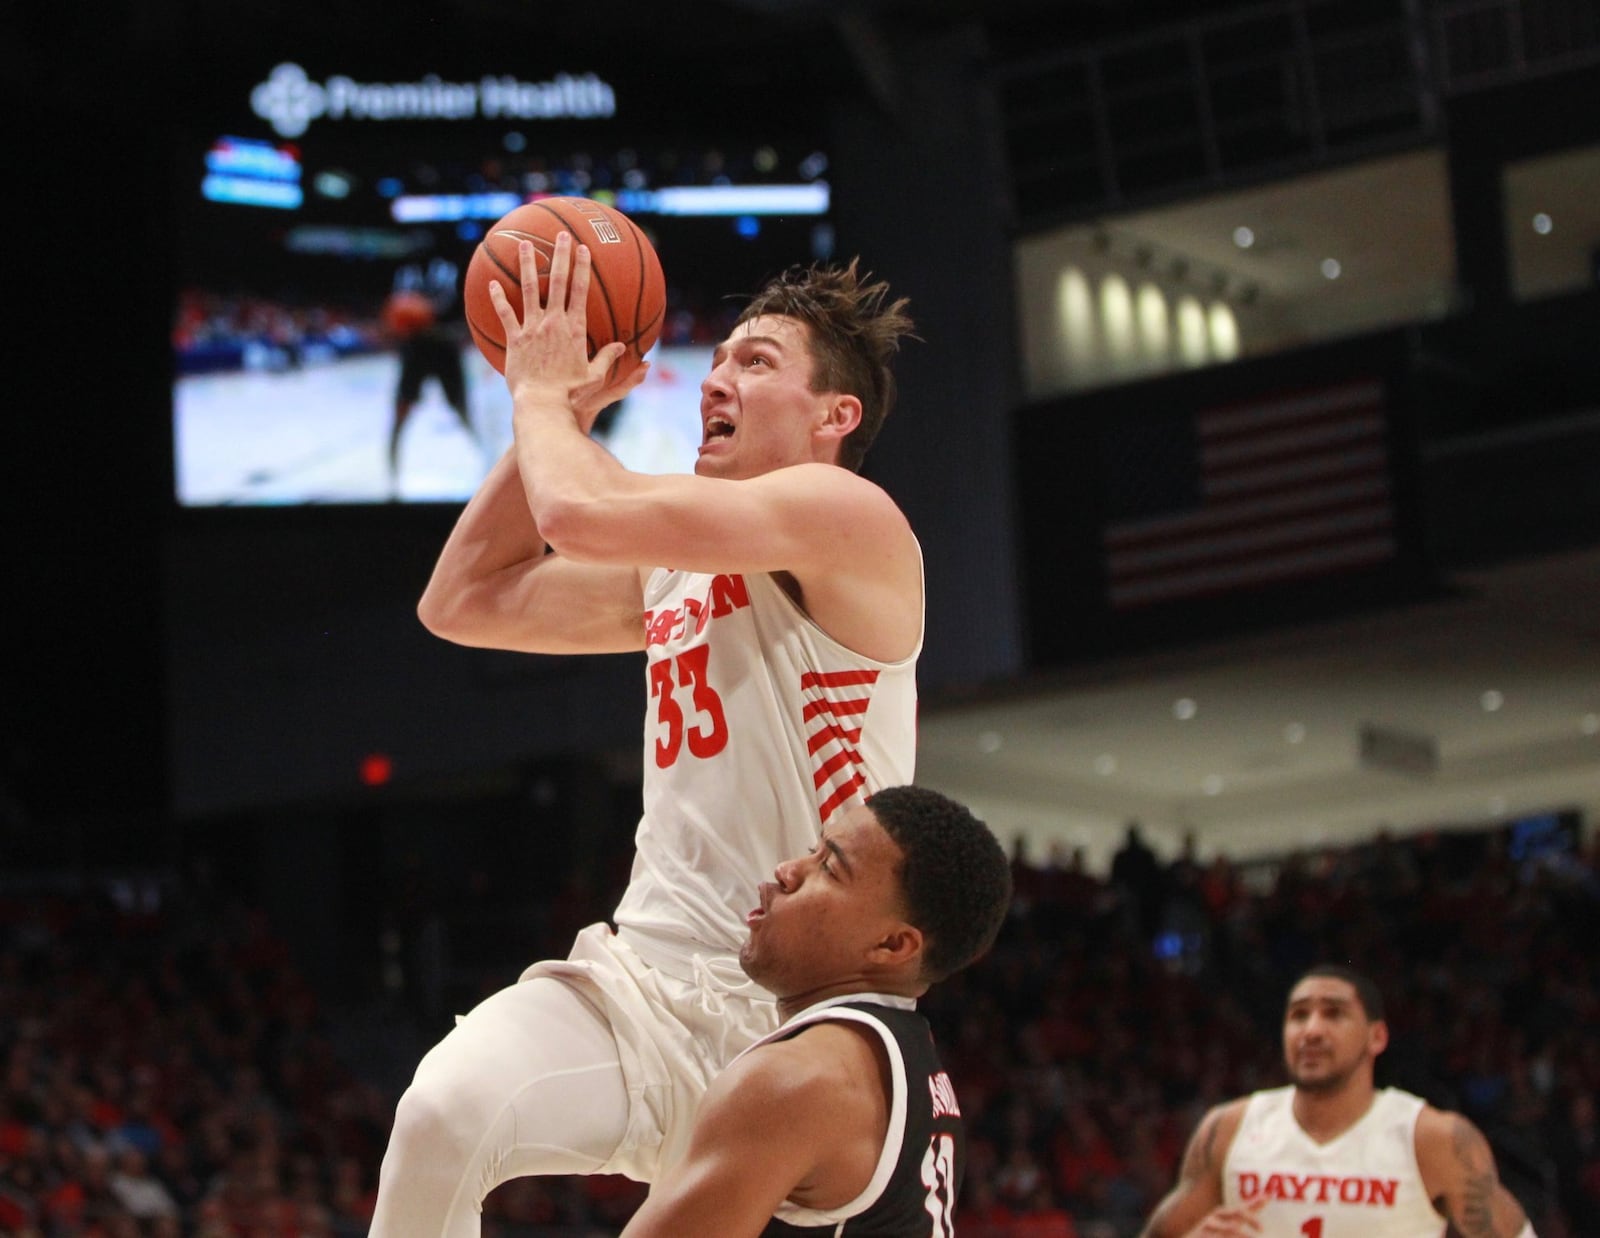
(1331, 1155)
(777, 596)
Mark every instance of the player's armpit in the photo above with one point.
(1459, 1172)
(756, 1139)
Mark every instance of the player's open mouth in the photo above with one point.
(716, 427)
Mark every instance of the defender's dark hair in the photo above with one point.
(855, 333)
(1367, 992)
(956, 879)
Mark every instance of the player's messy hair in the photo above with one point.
(1367, 991)
(855, 334)
(956, 879)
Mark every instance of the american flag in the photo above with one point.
(1291, 487)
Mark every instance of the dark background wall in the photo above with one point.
(159, 660)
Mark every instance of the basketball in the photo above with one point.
(406, 313)
(627, 291)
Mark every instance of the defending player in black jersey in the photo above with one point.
(843, 1120)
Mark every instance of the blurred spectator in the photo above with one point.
(979, 1213)
(1044, 1218)
(1136, 874)
(141, 1194)
(1574, 1142)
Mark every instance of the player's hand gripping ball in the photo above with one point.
(627, 291)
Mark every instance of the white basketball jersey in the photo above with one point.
(759, 729)
(1364, 1184)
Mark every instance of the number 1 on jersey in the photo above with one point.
(1312, 1228)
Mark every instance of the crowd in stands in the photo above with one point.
(166, 1072)
(213, 333)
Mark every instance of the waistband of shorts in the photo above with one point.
(687, 960)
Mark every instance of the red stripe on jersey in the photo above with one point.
(841, 793)
(836, 679)
(832, 731)
(814, 708)
(833, 764)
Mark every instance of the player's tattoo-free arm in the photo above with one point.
(767, 1125)
(495, 587)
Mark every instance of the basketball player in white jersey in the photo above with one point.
(1331, 1155)
(778, 599)
(843, 1122)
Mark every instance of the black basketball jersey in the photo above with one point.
(913, 1190)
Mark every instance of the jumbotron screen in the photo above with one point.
(302, 215)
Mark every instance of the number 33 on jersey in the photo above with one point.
(733, 660)
(759, 727)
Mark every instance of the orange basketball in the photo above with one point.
(627, 291)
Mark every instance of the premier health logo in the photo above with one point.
(290, 101)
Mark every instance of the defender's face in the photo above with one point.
(821, 914)
(1327, 1036)
(757, 409)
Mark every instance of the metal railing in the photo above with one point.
(1264, 92)
(1489, 43)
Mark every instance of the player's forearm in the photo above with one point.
(575, 487)
(495, 533)
(1489, 1213)
(1162, 1223)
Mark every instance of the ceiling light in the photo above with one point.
(1294, 733)
(1497, 805)
(1589, 724)
(1243, 237)
(1184, 708)
(1542, 224)
(1212, 784)
(1492, 701)
(1331, 268)
(1105, 764)
(989, 741)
